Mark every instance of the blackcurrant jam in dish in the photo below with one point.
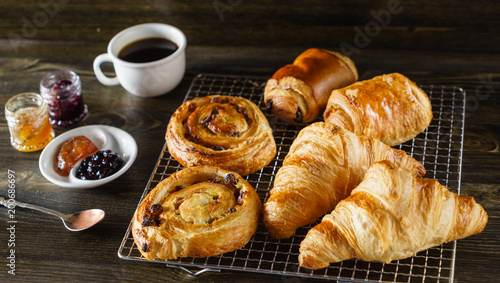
(99, 165)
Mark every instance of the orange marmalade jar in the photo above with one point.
(28, 120)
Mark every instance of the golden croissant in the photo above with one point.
(392, 214)
(389, 107)
(324, 164)
(298, 92)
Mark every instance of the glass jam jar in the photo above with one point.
(62, 91)
(28, 121)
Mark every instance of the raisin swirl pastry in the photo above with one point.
(196, 212)
(224, 131)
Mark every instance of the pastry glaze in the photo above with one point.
(224, 131)
(324, 164)
(299, 92)
(389, 107)
(196, 212)
(392, 214)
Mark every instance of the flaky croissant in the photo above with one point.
(323, 165)
(229, 132)
(392, 214)
(390, 108)
(196, 212)
(298, 92)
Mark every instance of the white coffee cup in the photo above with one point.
(144, 79)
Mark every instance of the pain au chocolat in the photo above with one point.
(224, 131)
(299, 92)
(196, 212)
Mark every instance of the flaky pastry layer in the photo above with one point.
(389, 107)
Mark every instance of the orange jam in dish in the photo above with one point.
(72, 151)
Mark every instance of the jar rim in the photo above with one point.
(50, 79)
(22, 100)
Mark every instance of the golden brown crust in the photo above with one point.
(196, 212)
(389, 107)
(323, 165)
(224, 131)
(392, 214)
(306, 84)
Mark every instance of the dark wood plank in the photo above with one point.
(393, 24)
(441, 43)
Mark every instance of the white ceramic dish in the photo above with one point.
(104, 137)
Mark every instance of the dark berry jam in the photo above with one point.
(61, 85)
(67, 108)
(62, 91)
(99, 165)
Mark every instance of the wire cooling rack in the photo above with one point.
(438, 148)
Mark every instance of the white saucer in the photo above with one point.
(104, 137)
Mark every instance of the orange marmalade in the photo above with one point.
(28, 121)
(72, 151)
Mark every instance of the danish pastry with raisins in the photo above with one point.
(224, 131)
(196, 212)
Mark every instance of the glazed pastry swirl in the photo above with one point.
(224, 131)
(196, 212)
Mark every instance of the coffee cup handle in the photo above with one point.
(105, 80)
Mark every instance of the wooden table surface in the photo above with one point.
(447, 43)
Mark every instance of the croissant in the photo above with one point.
(389, 107)
(196, 212)
(298, 92)
(223, 131)
(392, 214)
(323, 165)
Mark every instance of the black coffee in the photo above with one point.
(147, 50)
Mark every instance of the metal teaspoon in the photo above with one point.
(77, 221)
